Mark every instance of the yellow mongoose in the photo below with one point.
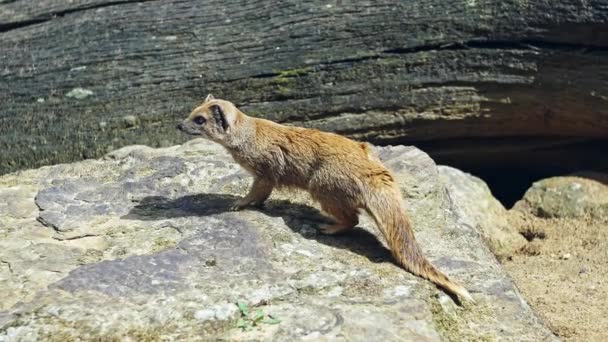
(343, 175)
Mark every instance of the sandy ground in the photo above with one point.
(563, 273)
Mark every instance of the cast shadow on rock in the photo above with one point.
(296, 217)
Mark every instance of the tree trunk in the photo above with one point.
(79, 78)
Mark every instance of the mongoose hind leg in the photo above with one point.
(259, 192)
(346, 218)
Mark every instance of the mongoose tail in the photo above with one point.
(385, 208)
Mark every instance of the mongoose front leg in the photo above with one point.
(259, 192)
(346, 218)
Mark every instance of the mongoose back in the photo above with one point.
(343, 175)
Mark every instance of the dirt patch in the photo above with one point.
(563, 273)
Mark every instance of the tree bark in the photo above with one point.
(79, 78)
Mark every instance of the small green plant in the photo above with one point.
(249, 319)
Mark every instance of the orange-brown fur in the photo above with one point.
(343, 175)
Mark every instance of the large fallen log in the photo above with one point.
(79, 78)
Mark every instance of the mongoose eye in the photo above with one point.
(199, 120)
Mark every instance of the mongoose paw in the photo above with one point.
(333, 229)
(238, 205)
(259, 205)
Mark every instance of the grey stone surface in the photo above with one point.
(478, 208)
(140, 246)
(568, 196)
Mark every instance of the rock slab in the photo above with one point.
(140, 245)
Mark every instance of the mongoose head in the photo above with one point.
(214, 119)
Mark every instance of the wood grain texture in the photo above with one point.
(383, 71)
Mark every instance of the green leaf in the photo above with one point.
(241, 323)
(243, 307)
(271, 320)
(259, 315)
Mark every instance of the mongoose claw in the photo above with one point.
(331, 229)
(238, 205)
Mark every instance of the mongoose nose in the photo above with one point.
(179, 126)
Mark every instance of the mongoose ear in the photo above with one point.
(219, 116)
(209, 98)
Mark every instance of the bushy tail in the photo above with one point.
(386, 209)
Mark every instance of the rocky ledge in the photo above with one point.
(140, 245)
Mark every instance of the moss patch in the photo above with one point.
(286, 75)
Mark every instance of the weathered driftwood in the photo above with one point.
(78, 78)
